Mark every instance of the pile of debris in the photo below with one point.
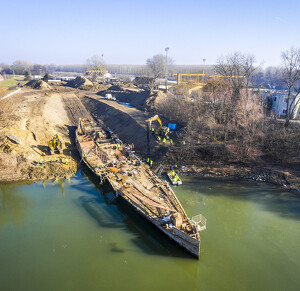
(38, 84)
(116, 88)
(144, 82)
(138, 98)
(81, 83)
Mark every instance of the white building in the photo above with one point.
(279, 102)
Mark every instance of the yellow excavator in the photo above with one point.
(55, 145)
(162, 131)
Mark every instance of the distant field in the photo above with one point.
(5, 85)
(8, 83)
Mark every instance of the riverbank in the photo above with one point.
(58, 111)
(247, 172)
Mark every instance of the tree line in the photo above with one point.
(270, 77)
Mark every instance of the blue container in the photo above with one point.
(172, 126)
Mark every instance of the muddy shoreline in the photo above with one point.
(249, 172)
(56, 171)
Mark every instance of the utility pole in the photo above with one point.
(203, 67)
(102, 68)
(166, 75)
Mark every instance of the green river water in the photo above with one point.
(67, 236)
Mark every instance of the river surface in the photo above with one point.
(69, 236)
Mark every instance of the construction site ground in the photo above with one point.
(46, 113)
(57, 110)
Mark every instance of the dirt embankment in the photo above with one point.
(138, 98)
(130, 125)
(31, 113)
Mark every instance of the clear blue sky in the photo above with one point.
(130, 31)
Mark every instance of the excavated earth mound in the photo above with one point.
(81, 83)
(38, 84)
(141, 99)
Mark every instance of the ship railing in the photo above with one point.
(199, 221)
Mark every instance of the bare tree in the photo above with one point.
(247, 123)
(96, 64)
(157, 65)
(236, 69)
(291, 79)
(20, 67)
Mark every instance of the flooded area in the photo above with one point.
(69, 235)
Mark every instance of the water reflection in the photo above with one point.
(61, 185)
(13, 206)
(60, 182)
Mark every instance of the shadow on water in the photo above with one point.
(105, 216)
(118, 214)
(271, 197)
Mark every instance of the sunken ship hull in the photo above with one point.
(132, 180)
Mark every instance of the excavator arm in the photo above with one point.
(153, 118)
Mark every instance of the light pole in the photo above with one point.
(102, 68)
(203, 67)
(166, 73)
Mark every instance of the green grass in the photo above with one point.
(6, 84)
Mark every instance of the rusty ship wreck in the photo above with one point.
(132, 180)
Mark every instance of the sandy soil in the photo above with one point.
(46, 115)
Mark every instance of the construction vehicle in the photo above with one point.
(162, 131)
(55, 145)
